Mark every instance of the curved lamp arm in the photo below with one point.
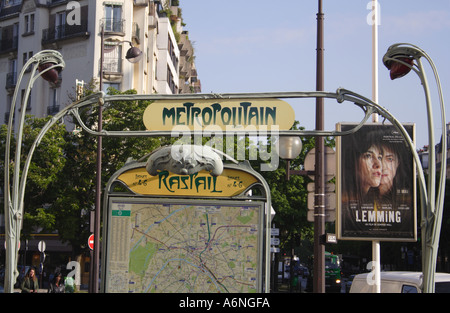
(404, 54)
(13, 202)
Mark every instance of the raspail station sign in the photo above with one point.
(230, 183)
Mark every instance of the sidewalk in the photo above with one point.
(18, 290)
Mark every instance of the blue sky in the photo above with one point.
(268, 46)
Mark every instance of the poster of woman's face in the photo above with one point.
(377, 184)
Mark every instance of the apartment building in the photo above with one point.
(74, 29)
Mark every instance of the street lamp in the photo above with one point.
(49, 74)
(399, 59)
(289, 147)
(134, 54)
(46, 64)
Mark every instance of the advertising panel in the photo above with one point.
(376, 184)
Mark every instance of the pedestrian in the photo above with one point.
(56, 284)
(30, 283)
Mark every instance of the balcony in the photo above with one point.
(141, 3)
(64, 32)
(52, 109)
(11, 80)
(112, 66)
(9, 45)
(6, 119)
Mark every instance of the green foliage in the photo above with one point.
(47, 163)
(289, 198)
(77, 183)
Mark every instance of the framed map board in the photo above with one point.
(184, 246)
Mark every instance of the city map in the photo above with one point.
(184, 248)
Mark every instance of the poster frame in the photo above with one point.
(343, 231)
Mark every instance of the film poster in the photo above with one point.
(376, 175)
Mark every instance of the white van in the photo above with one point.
(398, 282)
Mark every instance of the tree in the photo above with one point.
(77, 181)
(47, 162)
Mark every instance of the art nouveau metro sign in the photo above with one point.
(225, 114)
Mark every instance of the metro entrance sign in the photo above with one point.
(223, 114)
(14, 205)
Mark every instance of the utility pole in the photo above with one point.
(319, 199)
(95, 263)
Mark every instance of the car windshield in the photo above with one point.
(331, 263)
(442, 287)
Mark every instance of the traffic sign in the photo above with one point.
(274, 241)
(330, 216)
(330, 201)
(329, 187)
(91, 242)
(41, 246)
(330, 162)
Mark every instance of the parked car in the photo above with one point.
(399, 282)
(348, 283)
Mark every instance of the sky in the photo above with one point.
(270, 46)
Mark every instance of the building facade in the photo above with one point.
(74, 29)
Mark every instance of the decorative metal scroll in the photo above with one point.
(185, 160)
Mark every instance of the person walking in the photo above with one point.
(57, 284)
(30, 283)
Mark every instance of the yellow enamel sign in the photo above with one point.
(224, 113)
(230, 183)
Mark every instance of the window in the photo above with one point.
(29, 24)
(409, 289)
(8, 105)
(53, 107)
(60, 25)
(26, 57)
(11, 76)
(112, 60)
(113, 18)
(172, 54)
(9, 3)
(107, 85)
(22, 98)
(12, 66)
(442, 287)
(171, 81)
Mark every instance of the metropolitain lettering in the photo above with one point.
(188, 114)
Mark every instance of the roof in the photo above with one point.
(411, 277)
